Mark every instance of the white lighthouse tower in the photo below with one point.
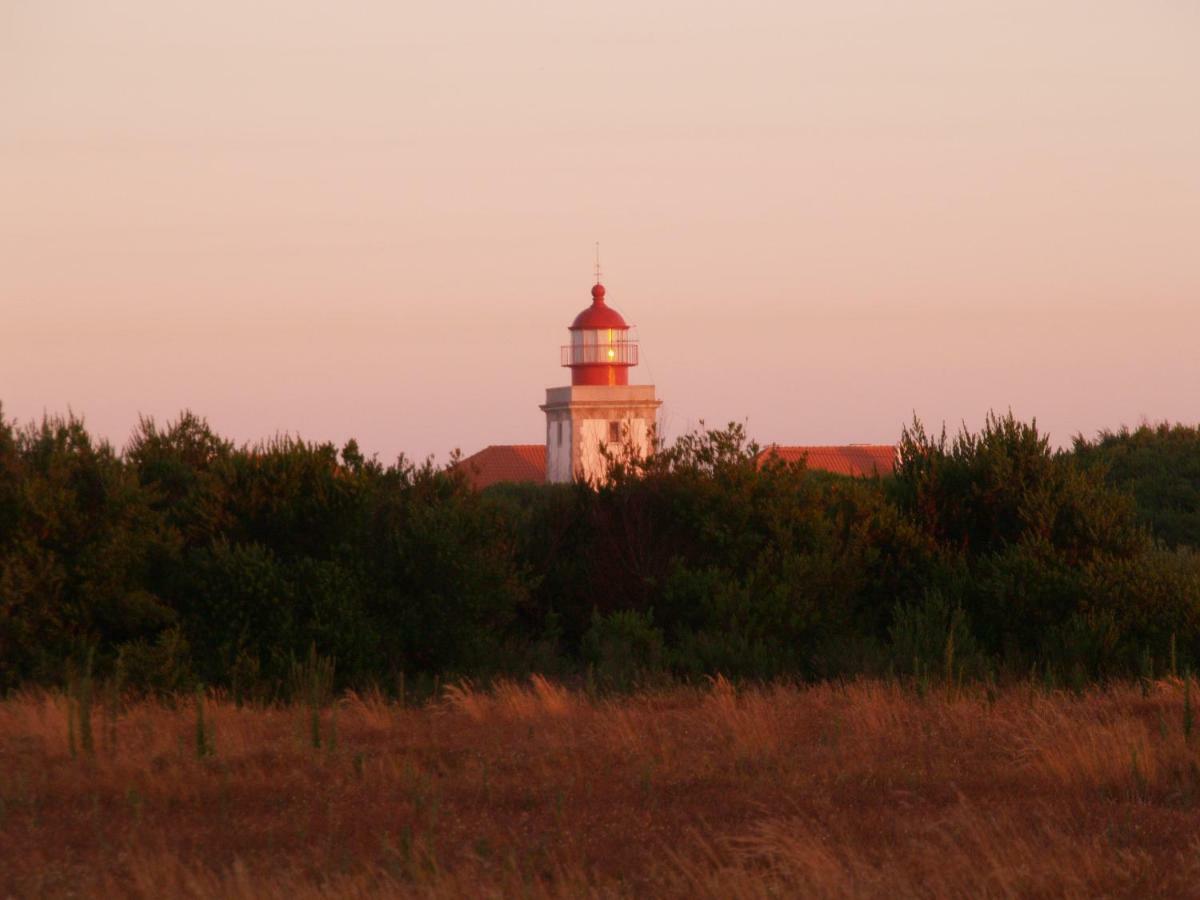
(600, 410)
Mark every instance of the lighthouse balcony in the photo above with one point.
(617, 353)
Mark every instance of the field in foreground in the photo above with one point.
(864, 789)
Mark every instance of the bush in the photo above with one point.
(1159, 465)
(163, 667)
(982, 493)
(622, 648)
(187, 559)
(933, 637)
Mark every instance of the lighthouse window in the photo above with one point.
(614, 432)
(559, 430)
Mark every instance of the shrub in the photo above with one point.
(1159, 465)
(187, 559)
(622, 647)
(934, 637)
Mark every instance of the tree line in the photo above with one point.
(184, 559)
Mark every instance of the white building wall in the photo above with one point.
(586, 412)
(639, 433)
(558, 453)
(594, 434)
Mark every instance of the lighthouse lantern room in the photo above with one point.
(600, 410)
(600, 351)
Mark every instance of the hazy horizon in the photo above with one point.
(377, 223)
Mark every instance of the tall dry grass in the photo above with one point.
(858, 789)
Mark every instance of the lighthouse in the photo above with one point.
(600, 413)
(601, 416)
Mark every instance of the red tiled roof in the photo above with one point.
(854, 459)
(527, 462)
(505, 462)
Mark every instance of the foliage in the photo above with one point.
(934, 636)
(622, 647)
(1160, 466)
(186, 560)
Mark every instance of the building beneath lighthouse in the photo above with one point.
(599, 416)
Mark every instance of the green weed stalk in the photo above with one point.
(79, 708)
(312, 684)
(949, 653)
(205, 738)
(1188, 716)
(1146, 673)
(86, 739)
(112, 709)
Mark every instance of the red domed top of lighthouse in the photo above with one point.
(600, 352)
(599, 314)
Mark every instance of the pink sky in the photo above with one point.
(376, 219)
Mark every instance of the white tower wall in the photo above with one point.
(590, 417)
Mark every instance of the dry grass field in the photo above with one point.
(860, 789)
